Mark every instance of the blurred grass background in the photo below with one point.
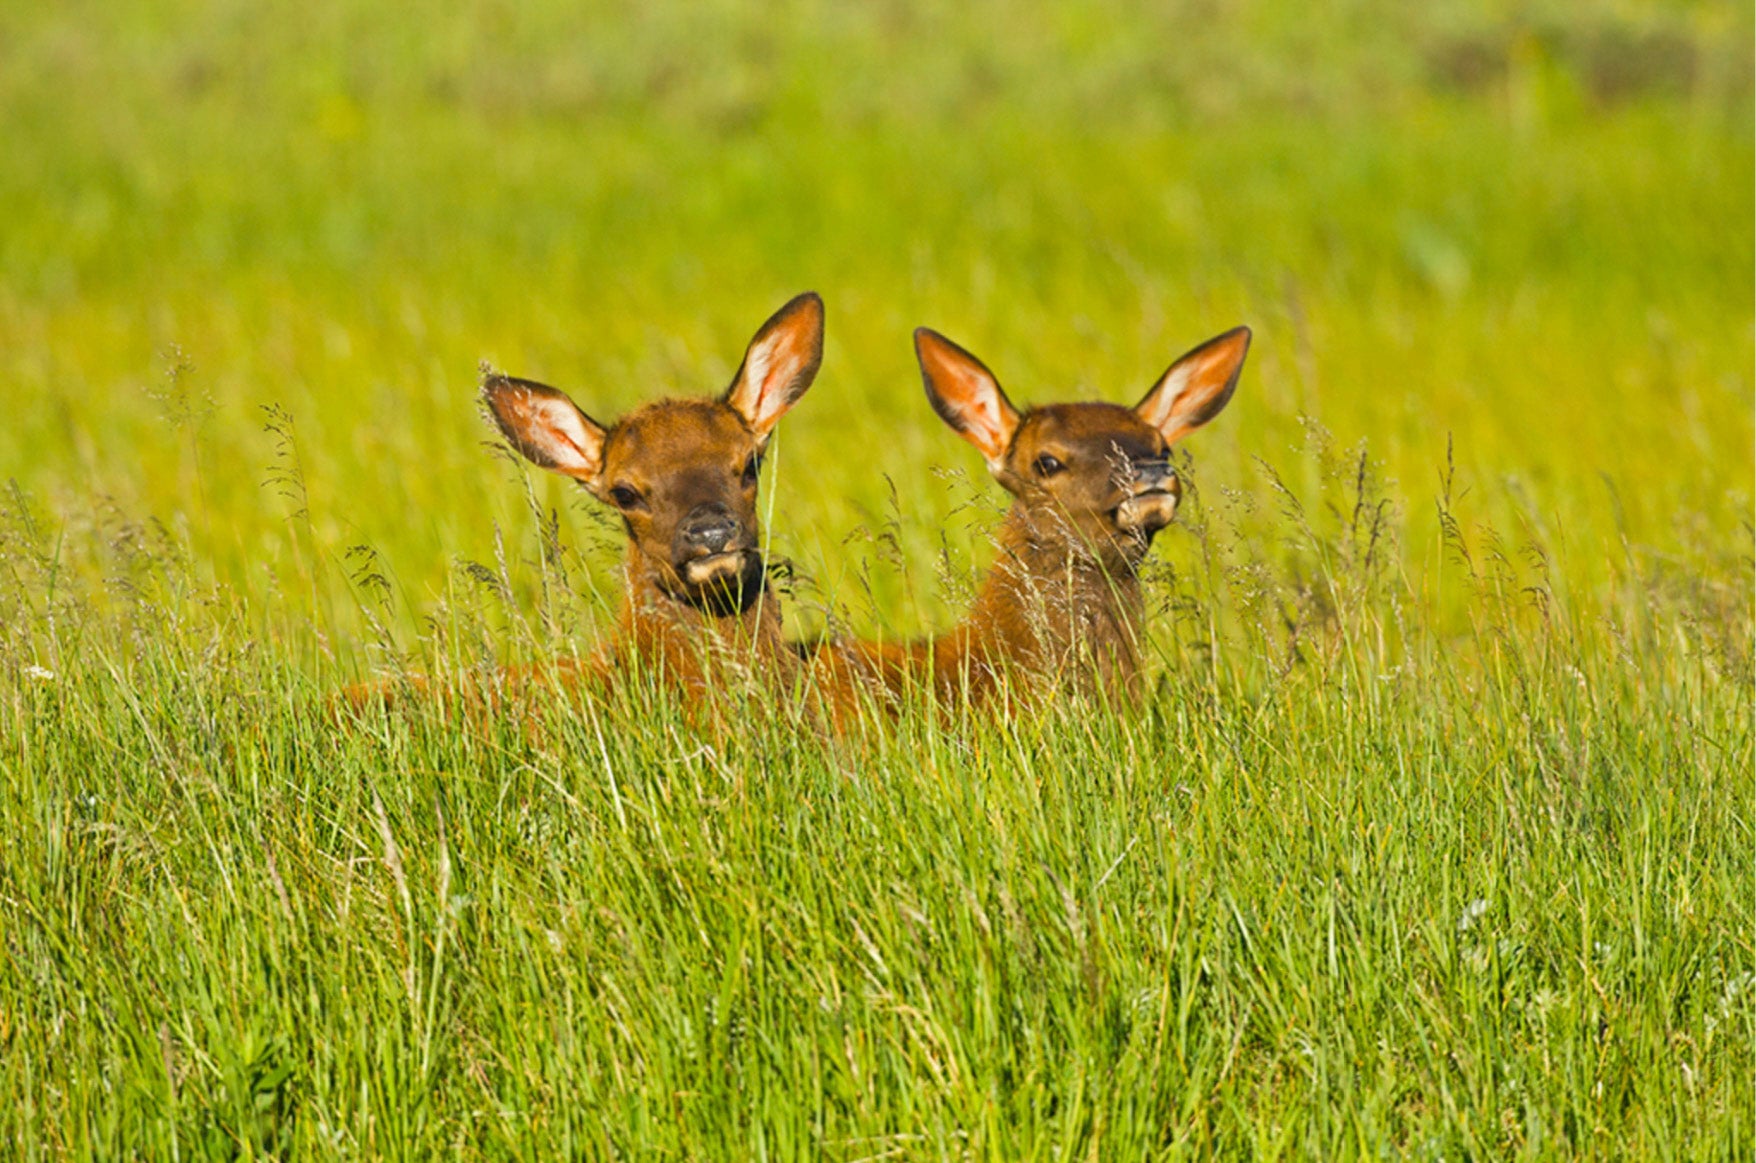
(1524, 229)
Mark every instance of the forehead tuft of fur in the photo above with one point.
(672, 431)
(1096, 426)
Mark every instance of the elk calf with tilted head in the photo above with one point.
(1092, 484)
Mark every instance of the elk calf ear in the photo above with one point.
(1197, 387)
(780, 364)
(966, 395)
(546, 426)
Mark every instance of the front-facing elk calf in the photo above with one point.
(682, 474)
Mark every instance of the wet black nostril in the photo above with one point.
(713, 538)
(1154, 474)
(710, 529)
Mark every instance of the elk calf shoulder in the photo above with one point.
(1092, 484)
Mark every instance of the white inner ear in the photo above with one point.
(769, 366)
(1161, 406)
(983, 420)
(1197, 387)
(756, 393)
(757, 365)
(563, 435)
(982, 414)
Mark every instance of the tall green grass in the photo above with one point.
(1473, 896)
(1432, 836)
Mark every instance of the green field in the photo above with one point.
(1433, 837)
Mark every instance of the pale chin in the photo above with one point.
(721, 567)
(1149, 511)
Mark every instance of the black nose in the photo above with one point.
(708, 529)
(1153, 475)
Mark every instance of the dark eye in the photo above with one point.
(751, 468)
(1047, 466)
(626, 497)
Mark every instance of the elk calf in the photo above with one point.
(682, 473)
(1092, 484)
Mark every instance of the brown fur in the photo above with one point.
(679, 454)
(683, 476)
(1062, 607)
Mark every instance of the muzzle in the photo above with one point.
(712, 551)
(1153, 492)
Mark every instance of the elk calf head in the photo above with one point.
(682, 473)
(1098, 473)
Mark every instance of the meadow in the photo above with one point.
(1432, 837)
